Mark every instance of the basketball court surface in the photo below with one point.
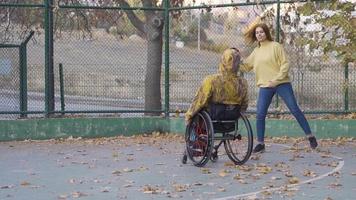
(149, 167)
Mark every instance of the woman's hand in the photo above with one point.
(272, 84)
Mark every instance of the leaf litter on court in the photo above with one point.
(272, 175)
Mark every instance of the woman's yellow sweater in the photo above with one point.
(269, 63)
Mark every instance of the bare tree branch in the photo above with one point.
(136, 22)
(148, 3)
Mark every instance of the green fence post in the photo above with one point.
(49, 75)
(278, 15)
(166, 58)
(346, 88)
(23, 75)
(23, 80)
(278, 27)
(61, 85)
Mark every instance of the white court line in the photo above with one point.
(337, 168)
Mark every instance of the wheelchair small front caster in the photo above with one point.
(214, 156)
(184, 159)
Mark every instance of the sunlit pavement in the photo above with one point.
(149, 167)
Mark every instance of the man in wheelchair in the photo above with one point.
(221, 99)
(224, 95)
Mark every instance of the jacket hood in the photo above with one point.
(229, 62)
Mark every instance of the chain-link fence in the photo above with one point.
(9, 78)
(106, 55)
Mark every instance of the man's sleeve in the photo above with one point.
(201, 99)
(244, 103)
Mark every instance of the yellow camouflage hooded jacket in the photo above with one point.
(224, 87)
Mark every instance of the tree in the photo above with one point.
(314, 30)
(338, 33)
(18, 21)
(149, 25)
(152, 28)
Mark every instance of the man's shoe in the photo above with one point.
(260, 148)
(313, 142)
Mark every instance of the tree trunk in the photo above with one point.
(154, 28)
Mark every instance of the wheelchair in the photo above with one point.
(210, 128)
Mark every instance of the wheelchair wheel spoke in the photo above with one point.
(198, 136)
(240, 147)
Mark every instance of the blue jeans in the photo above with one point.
(265, 96)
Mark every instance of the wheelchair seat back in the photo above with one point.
(224, 116)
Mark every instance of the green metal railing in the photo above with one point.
(174, 98)
(23, 74)
(346, 89)
(22, 48)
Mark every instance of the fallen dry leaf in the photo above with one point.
(293, 180)
(255, 176)
(266, 193)
(180, 187)
(335, 174)
(174, 196)
(321, 164)
(242, 181)
(224, 173)
(127, 185)
(115, 154)
(309, 173)
(335, 184)
(325, 156)
(221, 189)
(142, 168)
(333, 164)
(197, 184)
(25, 183)
(245, 168)
(276, 178)
(127, 170)
(116, 172)
(148, 189)
(96, 181)
(160, 164)
(237, 177)
(105, 189)
(205, 170)
(264, 169)
(78, 194)
(290, 193)
(63, 196)
(255, 157)
(288, 174)
(252, 197)
(282, 165)
(229, 164)
(270, 185)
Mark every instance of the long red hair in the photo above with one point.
(250, 35)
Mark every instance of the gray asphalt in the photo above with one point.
(149, 168)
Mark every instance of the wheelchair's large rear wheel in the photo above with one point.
(199, 139)
(239, 149)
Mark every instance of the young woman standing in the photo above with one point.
(270, 65)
